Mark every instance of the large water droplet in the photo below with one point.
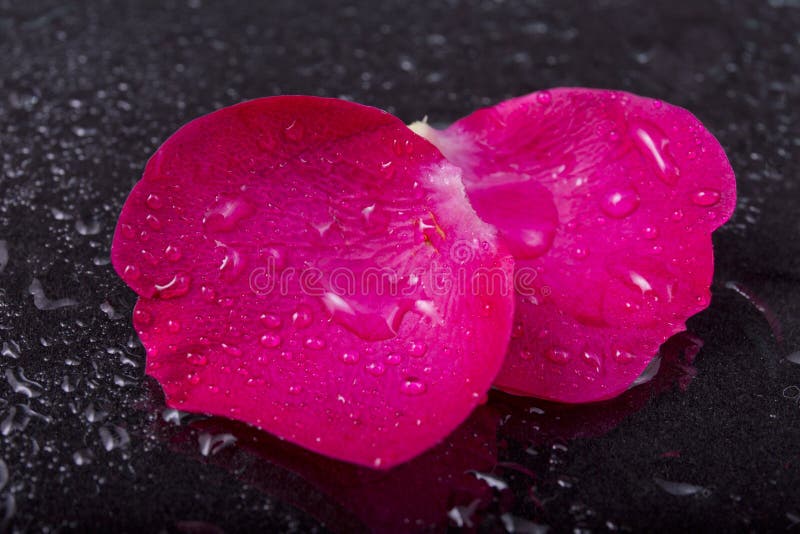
(652, 143)
(41, 301)
(231, 263)
(226, 215)
(620, 203)
(367, 316)
(523, 212)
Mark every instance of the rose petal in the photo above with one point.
(608, 201)
(287, 253)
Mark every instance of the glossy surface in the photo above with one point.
(607, 201)
(89, 91)
(306, 265)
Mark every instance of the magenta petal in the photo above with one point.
(607, 201)
(293, 255)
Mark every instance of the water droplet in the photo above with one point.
(211, 444)
(375, 368)
(208, 293)
(41, 301)
(154, 201)
(623, 357)
(11, 350)
(413, 387)
(523, 212)
(177, 287)
(142, 317)
(20, 384)
(544, 97)
(270, 340)
(273, 257)
(620, 203)
(90, 227)
(580, 252)
(526, 355)
(653, 145)
(650, 232)
(592, 359)
(127, 231)
(393, 359)
(113, 437)
(153, 222)
(705, 198)
(82, 457)
(226, 215)
(417, 349)
(270, 320)
(387, 170)
(302, 317)
(677, 215)
(350, 358)
(557, 355)
(173, 326)
(295, 390)
(314, 343)
(233, 350)
(231, 264)
(366, 212)
(195, 358)
(172, 253)
(361, 317)
(131, 272)
(679, 489)
(294, 131)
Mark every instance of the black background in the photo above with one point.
(88, 90)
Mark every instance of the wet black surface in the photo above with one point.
(89, 90)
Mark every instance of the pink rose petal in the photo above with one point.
(289, 254)
(608, 201)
